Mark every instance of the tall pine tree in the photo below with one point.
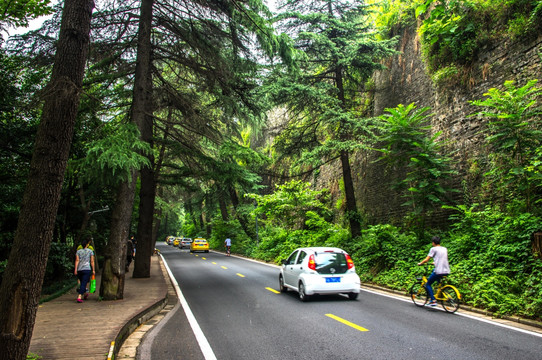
(336, 53)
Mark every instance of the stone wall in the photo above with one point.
(406, 81)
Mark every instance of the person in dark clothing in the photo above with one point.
(130, 253)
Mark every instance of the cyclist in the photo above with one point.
(439, 254)
(227, 243)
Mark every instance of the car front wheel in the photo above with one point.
(281, 284)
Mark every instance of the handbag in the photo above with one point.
(92, 287)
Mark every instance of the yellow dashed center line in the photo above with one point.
(346, 322)
(272, 290)
(204, 258)
(214, 263)
(223, 267)
(240, 275)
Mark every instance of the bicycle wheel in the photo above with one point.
(418, 294)
(451, 302)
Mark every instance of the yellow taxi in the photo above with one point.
(199, 244)
(177, 241)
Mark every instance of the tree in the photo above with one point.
(141, 114)
(21, 284)
(18, 84)
(514, 134)
(408, 148)
(203, 68)
(337, 55)
(110, 161)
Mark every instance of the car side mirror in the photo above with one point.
(283, 262)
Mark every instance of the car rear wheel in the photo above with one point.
(302, 296)
(353, 296)
(281, 284)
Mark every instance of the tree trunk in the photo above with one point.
(159, 191)
(351, 207)
(23, 277)
(142, 116)
(223, 208)
(242, 219)
(113, 275)
(350, 195)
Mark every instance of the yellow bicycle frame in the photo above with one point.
(438, 291)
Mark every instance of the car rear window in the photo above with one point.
(330, 263)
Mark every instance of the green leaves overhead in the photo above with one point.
(112, 159)
(19, 12)
(336, 54)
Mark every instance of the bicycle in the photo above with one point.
(448, 296)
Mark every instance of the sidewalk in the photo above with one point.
(65, 329)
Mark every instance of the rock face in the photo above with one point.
(406, 81)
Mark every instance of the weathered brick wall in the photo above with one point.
(406, 81)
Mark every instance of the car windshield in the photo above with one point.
(331, 263)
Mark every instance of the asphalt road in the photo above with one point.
(242, 315)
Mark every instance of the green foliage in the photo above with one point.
(189, 228)
(19, 12)
(443, 75)
(381, 248)
(111, 160)
(59, 265)
(492, 262)
(229, 229)
(514, 134)
(32, 356)
(448, 34)
(293, 204)
(391, 14)
(453, 31)
(404, 136)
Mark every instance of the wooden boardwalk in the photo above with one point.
(66, 329)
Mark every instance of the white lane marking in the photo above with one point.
(463, 314)
(200, 337)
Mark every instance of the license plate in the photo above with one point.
(333, 279)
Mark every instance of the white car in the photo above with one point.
(319, 270)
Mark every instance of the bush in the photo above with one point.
(59, 265)
(492, 262)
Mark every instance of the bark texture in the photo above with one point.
(142, 116)
(113, 276)
(22, 281)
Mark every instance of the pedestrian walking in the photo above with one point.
(130, 253)
(84, 268)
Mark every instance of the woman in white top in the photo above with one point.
(84, 268)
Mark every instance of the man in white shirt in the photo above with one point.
(227, 243)
(439, 254)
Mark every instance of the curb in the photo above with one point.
(519, 320)
(135, 322)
